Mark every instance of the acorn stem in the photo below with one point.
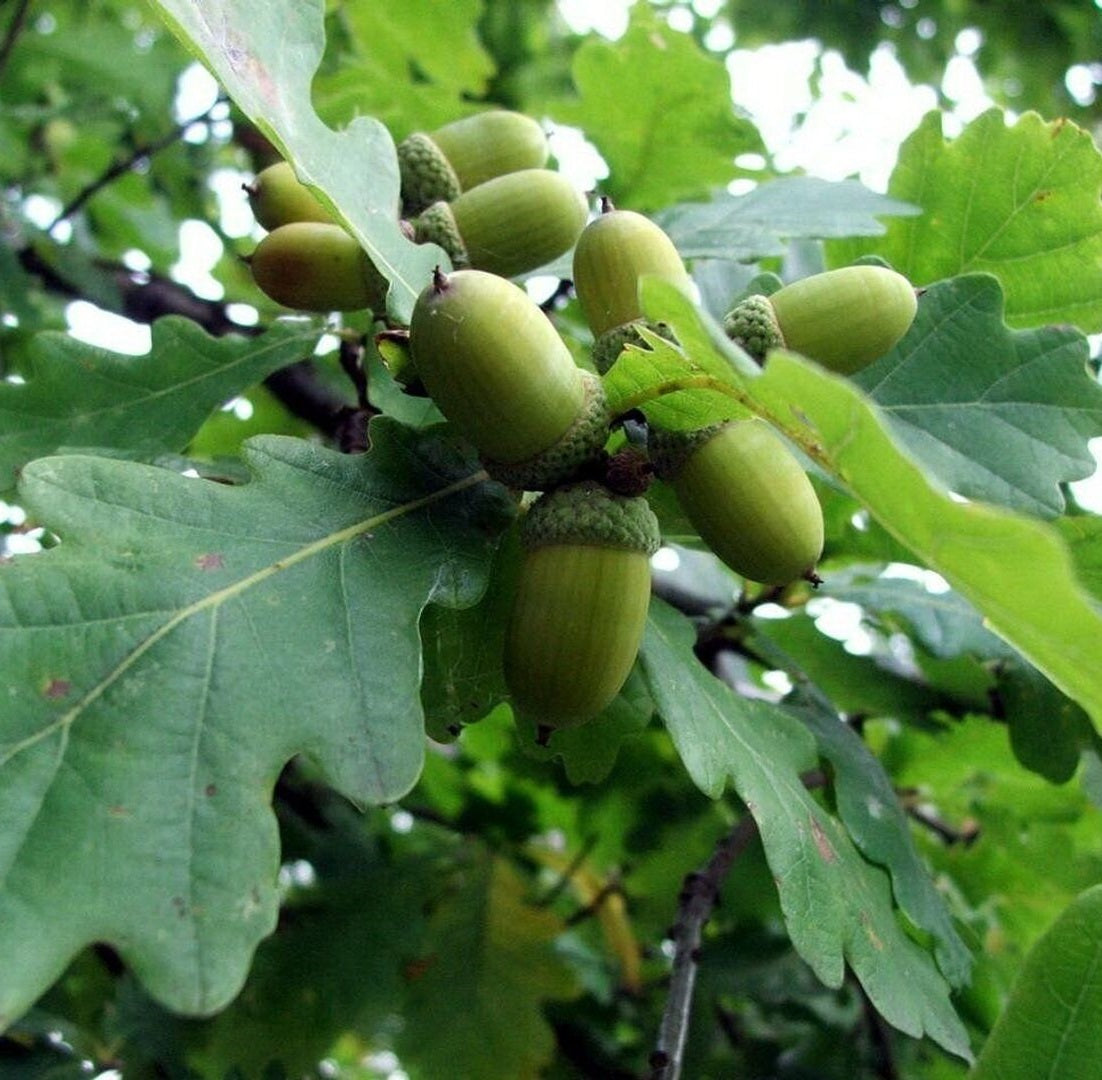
(606, 205)
(439, 280)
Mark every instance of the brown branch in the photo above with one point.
(123, 166)
(15, 28)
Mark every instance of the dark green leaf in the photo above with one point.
(994, 414)
(180, 645)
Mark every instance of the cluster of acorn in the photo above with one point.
(499, 372)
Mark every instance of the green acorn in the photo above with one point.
(580, 606)
(508, 225)
(747, 496)
(465, 153)
(843, 319)
(496, 368)
(317, 266)
(278, 197)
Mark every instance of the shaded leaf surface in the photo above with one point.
(994, 414)
(837, 907)
(1051, 1029)
(266, 55)
(1020, 202)
(488, 952)
(752, 226)
(77, 395)
(182, 643)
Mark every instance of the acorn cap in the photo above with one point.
(278, 197)
(580, 444)
(495, 366)
(589, 515)
(609, 345)
(426, 174)
(317, 266)
(612, 253)
(752, 325)
(437, 226)
(490, 144)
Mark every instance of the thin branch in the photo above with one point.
(120, 168)
(698, 897)
(15, 28)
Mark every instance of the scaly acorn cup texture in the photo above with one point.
(499, 372)
(508, 225)
(843, 319)
(746, 495)
(317, 266)
(581, 601)
(278, 197)
(461, 155)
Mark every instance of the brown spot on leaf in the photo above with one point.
(57, 688)
(210, 790)
(826, 852)
(414, 969)
(210, 560)
(118, 811)
(1042, 196)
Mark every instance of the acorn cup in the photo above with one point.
(580, 606)
(612, 253)
(317, 266)
(843, 319)
(747, 496)
(496, 368)
(278, 197)
(440, 166)
(508, 225)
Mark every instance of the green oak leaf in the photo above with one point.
(1017, 572)
(167, 658)
(1083, 535)
(837, 907)
(382, 42)
(78, 395)
(266, 55)
(995, 414)
(761, 223)
(1051, 1027)
(1019, 201)
(675, 135)
(489, 951)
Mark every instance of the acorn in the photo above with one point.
(278, 197)
(746, 495)
(843, 319)
(508, 225)
(496, 368)
(440, 166)
(317, 266)
(580, 605)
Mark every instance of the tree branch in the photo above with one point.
(120, 168)
(15, 28)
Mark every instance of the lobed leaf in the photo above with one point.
(163, 663)
(994, 414)
(837, 907)
(1020, 201)
(77, 395)
(266, 55)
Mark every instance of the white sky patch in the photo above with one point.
(665, 559)
(577, 158)
(95, 326)
(196, 92)
(200, 250)
(609, 18)
(930, 580)
(235, 216)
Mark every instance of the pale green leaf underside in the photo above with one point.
(1051, 1028)
(265, 55)
(1017, 572)
(180, 645)
(1020, 202)
(78, 395)
(837, 907)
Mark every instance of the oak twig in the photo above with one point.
(15, 28)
